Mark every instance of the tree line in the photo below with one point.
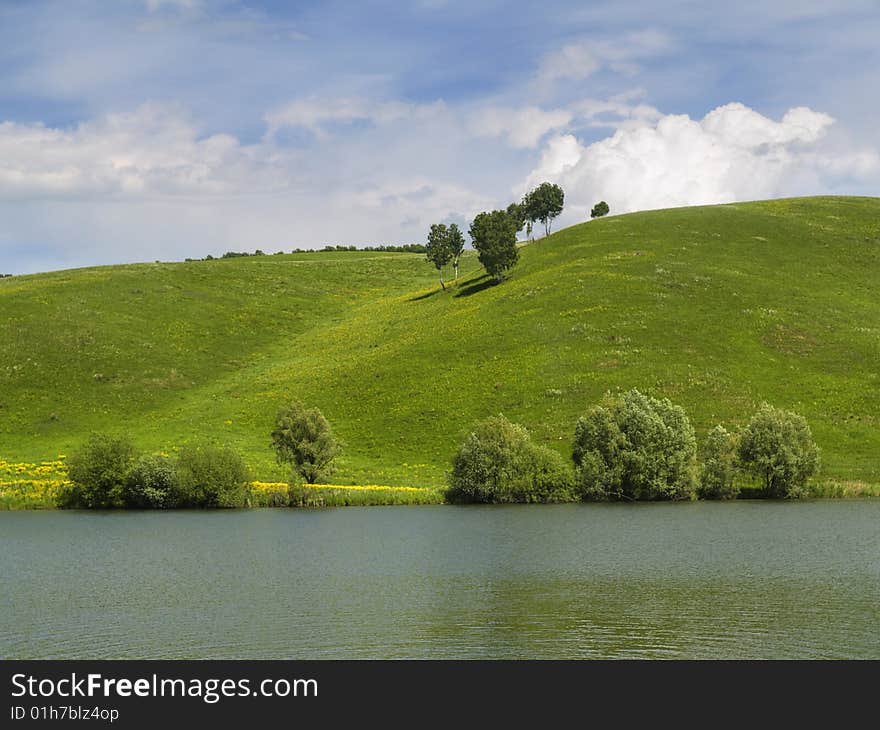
(494, 233)
(628, 447)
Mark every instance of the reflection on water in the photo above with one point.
(750, 579)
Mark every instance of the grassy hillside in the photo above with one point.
(716, 307)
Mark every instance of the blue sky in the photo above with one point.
(159, 129)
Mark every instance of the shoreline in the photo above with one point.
(39, 495)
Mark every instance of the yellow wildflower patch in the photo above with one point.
(275, 486)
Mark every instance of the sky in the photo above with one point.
(141, 130)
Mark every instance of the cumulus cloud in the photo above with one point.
(315, 114)
(733, 153)
(522, 127)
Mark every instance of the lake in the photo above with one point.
(700, 580)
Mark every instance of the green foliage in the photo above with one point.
(303, 438)
(445, 245)
(498, 462)
(543, 204)
(517, 213)
(601, 208)
(98, 472)
(777, 447)
(635, 447)
(718, 465)
(151, 483)
(211, 476)
(494, 236)
(438, 249)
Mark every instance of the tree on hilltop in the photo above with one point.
(494, 236)
(517, 213)
(543, 204)
(438, 250)
(456, 245)
(599, 209)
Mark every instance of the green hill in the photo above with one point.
(718, 308)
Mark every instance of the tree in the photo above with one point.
(718, 465)
(599, 209)
(98, 471)
(635, 447)
(498, 462)
(517, 213)
(778, 448)
(303, 438)
(456, 245)
(438, 249)
(494, 236)
(543, 204)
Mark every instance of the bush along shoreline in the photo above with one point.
(634, 448)
(629, 447)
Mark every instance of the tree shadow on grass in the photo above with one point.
(426, 295)
(476, 286)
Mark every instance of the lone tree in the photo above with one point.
(437, 250)
(778, 448)
(599, 209)
(303, 438)
(456, 246)
(543, 204)
(494, 236)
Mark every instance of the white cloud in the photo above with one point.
(314, 114)
(154, 150)
(583, 58)
(148, 184)
(733, 153)
(522, 127)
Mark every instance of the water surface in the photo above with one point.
(703, 580)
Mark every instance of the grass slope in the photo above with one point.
(716, 307)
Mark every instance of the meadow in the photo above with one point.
(718, 308)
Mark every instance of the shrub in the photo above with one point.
(151, 484)
(777, 447)
(498, 462)
(635, 447)
(303, 438)
(550, 477)
(97, 473)
(211, 476)
(718, 465)
(599, 209)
